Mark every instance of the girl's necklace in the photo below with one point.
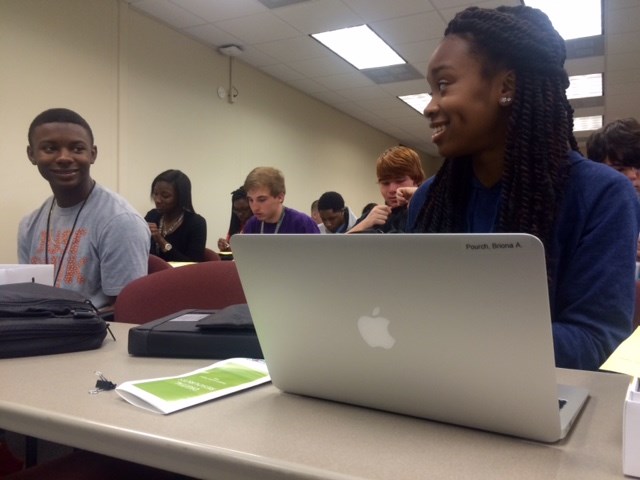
(66, 245)
(167, 230)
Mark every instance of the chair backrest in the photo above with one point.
(207, 285)
(157, 264)
(210, 255)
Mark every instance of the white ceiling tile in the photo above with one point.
(282, 72)
(330, 97)
(259, 28)
(256, 58)
(307, 85)
(620, 77)
(418, 53)
(322, 66)
(344, 81)
(410, 29)
(316, 17)
(622, 61)
(211, 35)
(168, 13)
(362, 93)
(294, 49)
(217, 10)
(375, 10)
(623, 42)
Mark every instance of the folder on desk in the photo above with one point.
(215, 334)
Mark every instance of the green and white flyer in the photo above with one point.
(169, 394)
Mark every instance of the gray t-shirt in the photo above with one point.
(109, 248)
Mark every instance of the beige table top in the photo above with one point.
(264, 433)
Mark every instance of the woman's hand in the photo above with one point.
(223, 245)
(155, 233)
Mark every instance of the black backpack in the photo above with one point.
(38, 319)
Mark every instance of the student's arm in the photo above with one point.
(593, 298)
(123, 252)
(377, 216)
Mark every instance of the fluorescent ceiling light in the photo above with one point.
(419, 101)
(572, 18)
(585, 86)
(583, 124)
(360, 46)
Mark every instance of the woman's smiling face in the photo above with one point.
(464, 112)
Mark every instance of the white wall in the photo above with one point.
(149, 94)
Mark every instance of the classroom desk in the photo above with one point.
(264, 433)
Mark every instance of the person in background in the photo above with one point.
(367, 208)
(336, 217)
(500, 117)
(617, 144)
(398, 169)
(95, 239)
(315, 214)
(178, 233)
(266, 191)
(240, 213)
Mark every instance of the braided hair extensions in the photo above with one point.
(539, 131)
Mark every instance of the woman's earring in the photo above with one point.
(504, 101)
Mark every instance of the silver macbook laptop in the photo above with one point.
(450, 327)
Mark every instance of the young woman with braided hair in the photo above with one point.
(501, 120)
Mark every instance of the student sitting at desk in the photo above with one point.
(265, 191)
(398, 169)
(500, 117)
(178, 233)
(240, 213)
(336, 217)
(97, 241)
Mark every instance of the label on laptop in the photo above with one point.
(169, 394)
(492, 246)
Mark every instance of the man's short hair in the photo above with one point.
(269, 177)
(400, 161)
(331, 201)
(622, 139)
(58, 115)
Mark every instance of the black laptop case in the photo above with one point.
(215, 334)
(40, 319)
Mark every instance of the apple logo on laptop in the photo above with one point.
(375, 330)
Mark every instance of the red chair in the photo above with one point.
(157, 264)
(206, 285)
(210, 255)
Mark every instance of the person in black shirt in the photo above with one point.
(178, 233)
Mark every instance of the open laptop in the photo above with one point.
(449, 327)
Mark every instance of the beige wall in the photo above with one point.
(149, 94)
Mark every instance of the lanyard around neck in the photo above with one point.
(69, 238)
(277, 224)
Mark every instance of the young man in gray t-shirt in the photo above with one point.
(95, 239)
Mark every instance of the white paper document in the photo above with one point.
(169, 394)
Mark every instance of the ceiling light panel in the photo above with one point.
(572, 18)
(360, 46)
(585, 86)
(419, 101)
(582, 124)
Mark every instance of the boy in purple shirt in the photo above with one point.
(265, 192)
